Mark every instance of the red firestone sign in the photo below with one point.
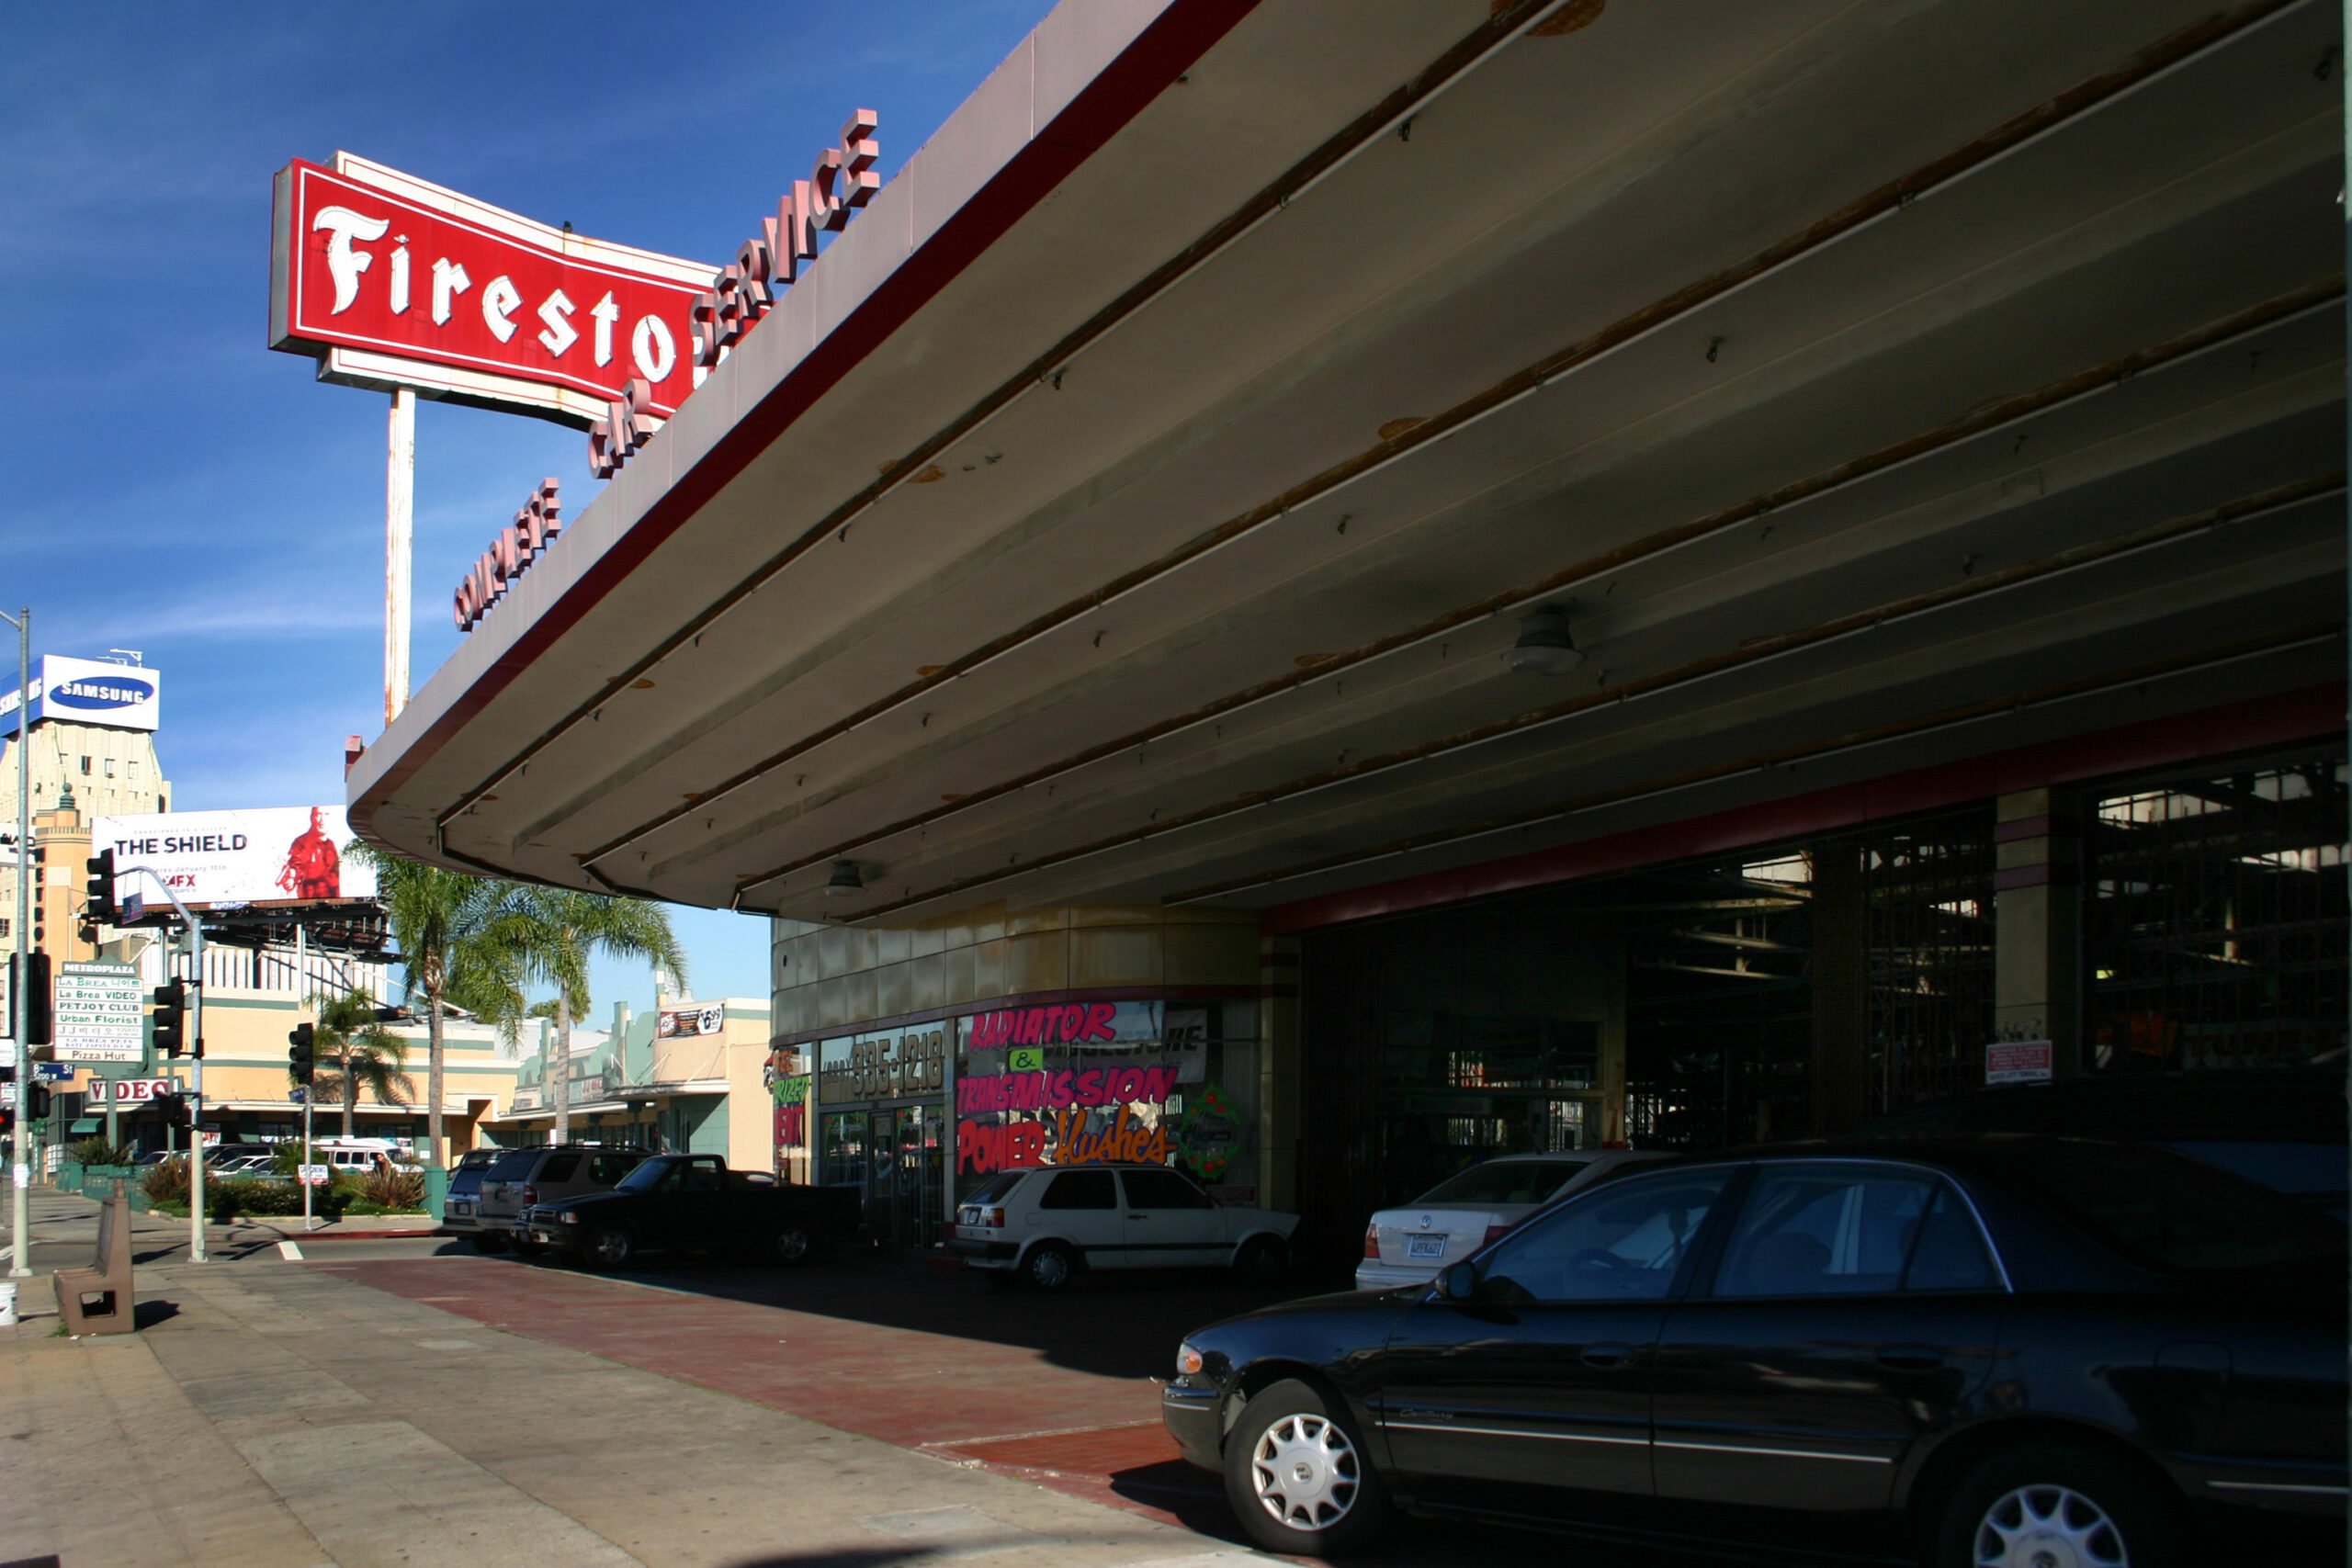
(390, 281)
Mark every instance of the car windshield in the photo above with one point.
(1504, 1181)
(646, 1177)
(2165, 1210)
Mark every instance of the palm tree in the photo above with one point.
(363, 1051)
(554, 931)
(445, 924)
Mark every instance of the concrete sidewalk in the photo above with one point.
(271, 1414)
(62, 1220)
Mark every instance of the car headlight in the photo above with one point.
(1188, 1361)
(569, 1218)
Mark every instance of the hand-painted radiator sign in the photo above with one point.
(391, 281)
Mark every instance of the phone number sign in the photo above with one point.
(97, 1012)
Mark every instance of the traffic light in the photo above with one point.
(100, 909)
(171, 1018)
(36, 1101)
(304, 1055)
(33, 996)
(171, 1106)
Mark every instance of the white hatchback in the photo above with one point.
(1040, 1227)
(1412, 1245)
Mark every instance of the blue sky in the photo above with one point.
(168, 484)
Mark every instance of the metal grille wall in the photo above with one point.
(2216, 915)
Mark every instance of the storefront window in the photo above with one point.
(1686, 1006)
(2216, 916)
(845, 1149)
(1169, 1083)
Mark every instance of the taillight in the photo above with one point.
(992, 1218)
(530, 1194)
(1494, 1233)
(1372, 1242)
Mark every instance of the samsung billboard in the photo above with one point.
(291, 854)
(89, 691)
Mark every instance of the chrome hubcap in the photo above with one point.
(1050, 1269)
(792, 1244)
(1304, 1472)
(611, 1247)
(2049, 1526)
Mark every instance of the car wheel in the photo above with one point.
(2052, 1505)
(608, 1247)
(489, 1241)
(1298, 1477)
(791, 1245)
(1263, 1261)
(1048, 1267)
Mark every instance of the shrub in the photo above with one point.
(97, 1151)
(392, 1188)
(242, 1195)
(167, 1182)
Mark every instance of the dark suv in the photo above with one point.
(546, 1174)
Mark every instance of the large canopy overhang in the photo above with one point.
(1137, 502)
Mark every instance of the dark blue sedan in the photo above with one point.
(1998, 1352)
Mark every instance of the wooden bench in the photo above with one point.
(107, 1278)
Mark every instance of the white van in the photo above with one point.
(357, 1155)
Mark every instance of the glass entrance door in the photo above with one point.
(905, 1200)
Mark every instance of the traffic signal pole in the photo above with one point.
(196, 1083)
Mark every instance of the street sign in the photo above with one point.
(126, 1091)
(52, 1072)
(134, 908)
(316, 1175)
(98, 1012)
(298, 1094)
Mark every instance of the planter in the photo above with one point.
(69, 1176)
(98, 1181)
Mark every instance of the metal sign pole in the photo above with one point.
(301, 1174)
(399, 514)
(20, 1230)
(301, 978)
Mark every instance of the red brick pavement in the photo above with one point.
(1061, 1391)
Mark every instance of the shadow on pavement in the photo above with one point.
(147, 1315)
(864, 1558)
(1124, 1324)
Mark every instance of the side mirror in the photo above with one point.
(1459, 1283)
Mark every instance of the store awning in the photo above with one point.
(1157, 514)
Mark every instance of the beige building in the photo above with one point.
(690, 1076)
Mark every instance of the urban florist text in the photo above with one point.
(1062, 1090)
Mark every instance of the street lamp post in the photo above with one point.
(21, 1175)
(195, 1080)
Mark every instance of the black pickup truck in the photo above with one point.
(692, 1202)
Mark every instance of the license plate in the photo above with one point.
(1425, 1247)
(461, 1208)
